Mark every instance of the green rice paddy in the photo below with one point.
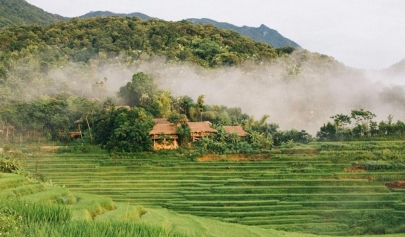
(286, 190)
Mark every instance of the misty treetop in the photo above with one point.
(126, 128)
(360, 125)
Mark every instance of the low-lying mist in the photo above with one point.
(301, 91)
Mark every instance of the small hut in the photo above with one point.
(164, 136)
(76, 134)
(199, 130)
(238, 130)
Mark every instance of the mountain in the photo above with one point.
(84, 40)
(260, 34)
(397, 68)
(107, 13)
(19, 12)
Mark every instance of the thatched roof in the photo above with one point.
(162, 126)
(235, 129)
(161, 121)
(201, 127)
(167, 129)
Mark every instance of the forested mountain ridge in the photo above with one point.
(80, 40)
(260, 34)
(19, 12)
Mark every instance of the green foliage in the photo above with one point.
(102, 228)
(10, 165)
(140, 91)
(184, 133)
(85, 39)
(380, 165)
(18, 12)
(177, 118)
(296, 136)
(285, 50)
(123, 130)
(46, 118)
(363, 128)
(17, 216)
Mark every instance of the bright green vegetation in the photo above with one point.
(31, 208)
(360, 126)
(95, 40)
(329, 191)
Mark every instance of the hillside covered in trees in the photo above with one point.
(19, 12)
(38, 105)
(82, 40)
(74, 66)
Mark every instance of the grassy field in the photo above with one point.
(32, 208)
(324, 188)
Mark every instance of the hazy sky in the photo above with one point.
(367, 34)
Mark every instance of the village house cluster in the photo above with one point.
(165, 136)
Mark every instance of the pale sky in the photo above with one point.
(368, 34)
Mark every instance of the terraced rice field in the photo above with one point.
(320, 193)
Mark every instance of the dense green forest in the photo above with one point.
(18, 12)
(28, 53)
(81, 40)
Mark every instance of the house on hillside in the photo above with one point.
(238, 130)
(199, 130)
(164, 136)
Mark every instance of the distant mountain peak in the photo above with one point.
(260, 34)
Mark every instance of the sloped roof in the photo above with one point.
(167, 129)
(235, 129)
(201, 127)
(161, 121)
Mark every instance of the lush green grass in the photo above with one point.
(55, 211)
(325, 182)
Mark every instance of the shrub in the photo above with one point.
(9, 165)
